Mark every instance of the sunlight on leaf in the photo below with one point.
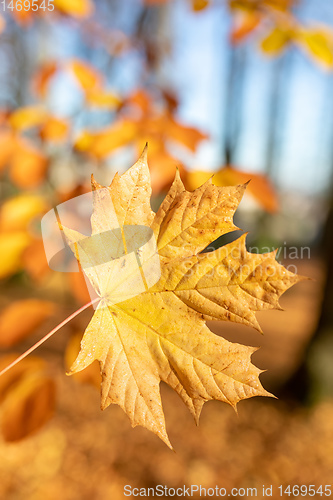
(160, 334)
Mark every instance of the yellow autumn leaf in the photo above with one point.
(86, 75)
(318, 43)
(276, 41)
(103, 143)
(17, 212)
(12, 246)
(103, 99)
(26, 117)
(75, 8)
(250, 5)
(160, 332)
(34, 261)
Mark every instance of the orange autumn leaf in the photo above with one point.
(259, 187)
(151, 128)
(7, 147)
(34, 260)
(250, 5)
(27, 407)
(141, 122)
(41, 79)
(8, 380)
(21, 319)
(162, 167)
(103, 99)
(141, 100)
(101, 144)
(244, 25)
(78, 286)
(86, 75)
(187, 136)
(28, 166)
(50, 127)
(27, 396)
(54, 129)
(91, 81)
(198, 5)
(23, 17)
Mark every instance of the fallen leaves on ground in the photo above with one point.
(161, 333)
(21, 318)
(27, 396)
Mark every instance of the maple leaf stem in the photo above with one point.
(47, 336)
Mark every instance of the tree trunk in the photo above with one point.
(313, 380)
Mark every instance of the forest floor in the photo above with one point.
(83, 453)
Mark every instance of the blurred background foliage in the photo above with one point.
(237, 88)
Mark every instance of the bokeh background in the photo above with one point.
(242, 89)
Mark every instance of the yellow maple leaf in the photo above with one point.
(161, 333)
